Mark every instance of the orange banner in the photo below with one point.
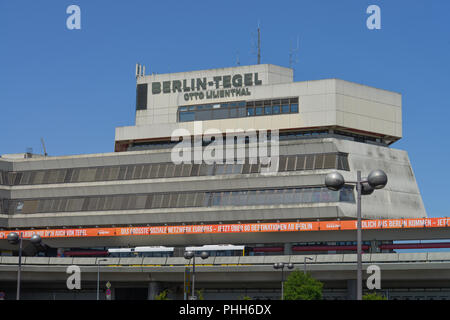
(236, 228)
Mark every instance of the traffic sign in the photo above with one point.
(108, 294)
(108, 285)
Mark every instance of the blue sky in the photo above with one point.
(73, 87)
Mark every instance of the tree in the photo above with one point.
(200, 295)
(373, 296)
(162, 295)
(300, 286)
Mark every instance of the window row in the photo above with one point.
(238, 109)
(170, 170)
(182, 200)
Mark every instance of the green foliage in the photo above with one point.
(373, 296)
(200, 294)
(163, 295)
(245, 298)
(300, 286)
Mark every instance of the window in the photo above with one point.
(186, 116)
(294, 108)
(276, 109)
(285, 108)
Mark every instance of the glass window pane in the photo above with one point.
(170, 170)
(146, 171)
(250, 111)
(74, 204)
(165, 201)
(328, 195)
(346, 194)
(30, 206)
(276, 109)
(195, 170)
(285, 108)
(190, 200)
(38, 177)
(251, 198)
(157, 199)
(316, 195)
(300, 162)
(181, 200)
(215, 201)
(121, 175)
(307, 195)
(130, 171)
(309, 165)
(203, 115)
(186, 116)
(140, 202)
(318, 164)
(154, 170)
(173, 200)
(282, 163)
(53, 176)
(330, 161)
(254, 168)
(177, 172)
(162, 170)
(291, 163)
(290, 196)
(138, 171)
(267, 110)
(294, 108)
(186, 170)
(220, 113)
(114, 173)
(206, 169)
(101, 203)
(258, 111)
(237, 168)
(200, 199)
(220, 169)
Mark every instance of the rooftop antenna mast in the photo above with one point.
(293, 59)
(43, 146)
(140, 70)
(256, 44)
(259, 44)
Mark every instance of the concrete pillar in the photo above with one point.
(288, 248)
(351, 289)
(154, 289)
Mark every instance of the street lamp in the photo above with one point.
(191, 255)
(281, 265)
(377, 179)
(14, 238)
(98, 277)
(304, 263)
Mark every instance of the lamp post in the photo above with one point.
(14, 238)
(304, 263)
(377, 179)
(191, 255)
(281, 265)
(98, 277)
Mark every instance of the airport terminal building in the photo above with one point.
(310, 128)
